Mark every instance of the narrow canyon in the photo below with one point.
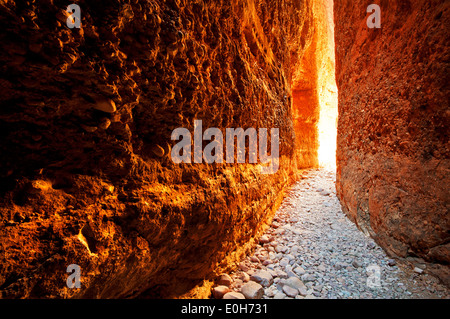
(86, 149)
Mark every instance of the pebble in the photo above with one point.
(418, 270)
(299, 270)
(244, 267)
(280, 273)
(220, 291)
(303, 291)
(254, 259)
(308, 277)
(225, 280)
(105, 105)
(262, 277)
(264, 239)
(105, 123)
(279, 295)
(158, 150)
(289, 291)
(267, 262)
(245, 277)
(294, 282)
(89, 129)
(233, 295)
(284, 262)
(289, 271)
(252, 290)
(356, 264)
(280, 249)
(321, 268)
(392, 262)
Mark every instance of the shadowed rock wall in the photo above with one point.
(393, 149)
(85, 122)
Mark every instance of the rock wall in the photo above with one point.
(86, 117)
(393, 148)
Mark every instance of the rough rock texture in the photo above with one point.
(393, 148)
(313, 76)
(85, 122)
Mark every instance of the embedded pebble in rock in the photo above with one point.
(312, 250)
(284, 262)
(105, 105)
(158, 150)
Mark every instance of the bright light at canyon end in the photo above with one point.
(327, 127)
(328, 96)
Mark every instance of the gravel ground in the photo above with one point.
(312, 250)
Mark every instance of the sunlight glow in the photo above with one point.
(328, 127)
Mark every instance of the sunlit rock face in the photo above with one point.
(393, 154)
(314, 91)
(86, 117)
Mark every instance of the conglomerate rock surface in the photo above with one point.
(86, 117)
(393, 148)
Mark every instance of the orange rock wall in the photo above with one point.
(85, 122)
(393, 152)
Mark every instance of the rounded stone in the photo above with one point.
(225, 280)
(220, 291)
(262, 277)
(105, 105)
(233, 295)
(252, 290)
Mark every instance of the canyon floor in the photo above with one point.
(312, 250)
